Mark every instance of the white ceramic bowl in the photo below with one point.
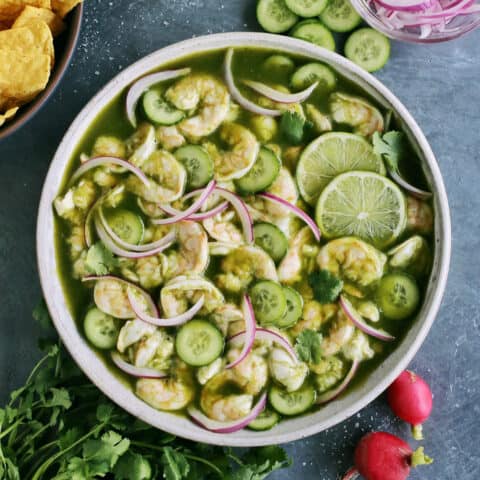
(287, 430)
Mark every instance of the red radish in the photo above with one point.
(410, 398)
(383, 456)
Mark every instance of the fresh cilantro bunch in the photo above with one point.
(59, 426)
(308, 346)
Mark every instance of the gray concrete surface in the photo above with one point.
(439, 84)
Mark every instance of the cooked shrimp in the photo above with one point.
(412, 255)
(111, 297)
(182, 292)
(205, 94)
(165, 393)
(300, 257)
(340, 333)
(241, 266)
(154, 351)
(149, 272)
(314, 315)
(329, 371)
(357, 112)
(205, 373)
(219, 406)
(352, 259)
(285, 370)
(109, 146)
(320, 121)
(132, 332)
(141, 144)
(167, 177)
(76, 242)
(251, 373)
(193, 254)
(419, 216)
(74, 205)
(367, 309)
(229, 319)
(169, 137)
(237, 161)
(222, 228)
(358, 347)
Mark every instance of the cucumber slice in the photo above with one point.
(279, 63)
(271, 239)
(274, 16)
(159, 111)
(268, 301)
(291, 403)
(340, 16)
(294, 308)
(263, 173)
(199, 343)
(368, 49)
(398, 296)
(306, 8)
(127, 225)
(311, 73)
(198, 163)
(101, 329)
(265, 421)
(315, 32)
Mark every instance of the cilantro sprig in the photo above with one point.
(308, 346)
(59, 426)
(326, 286)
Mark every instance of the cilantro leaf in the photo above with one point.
(326, 286)
(175, 464)
(132, 466)
(391, 146)
(308, 346)
(291, 126)
(100, 260)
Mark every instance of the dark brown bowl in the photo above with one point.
(64, 48)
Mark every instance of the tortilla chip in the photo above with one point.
(8, 114)
(11, 9)
(25, 62)
(29, 13)
(62, 7)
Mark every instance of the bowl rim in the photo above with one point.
(95, 368)
(34, 106)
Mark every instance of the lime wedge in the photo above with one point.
(328, 156)
(362, 204)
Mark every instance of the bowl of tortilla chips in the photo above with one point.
(37, 40)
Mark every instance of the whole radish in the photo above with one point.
(383, 456)
(410, 398)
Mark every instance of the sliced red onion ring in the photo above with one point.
(237, 96)
(331, 394)
(137, 307)
(137, 89)
(249, 333)
(269, 336)
(360, 323)
(146, 247)
(416, 192)
(295, 210)
(241, 209)
(121, 252)
(140, 372)
(152, 307)
(405, 5)
(87, 229)
(227, 427)
(280, 97)
(194, 207)
(196, 216)
(99, 161)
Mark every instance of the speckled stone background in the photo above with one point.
(439, 84)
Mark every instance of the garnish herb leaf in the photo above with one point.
(100, 260)
(291, 126)
(326, 286)
(308, 346)
(391, 146)
(59, 426)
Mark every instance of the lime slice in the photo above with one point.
(332, 154)
(362, 204)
